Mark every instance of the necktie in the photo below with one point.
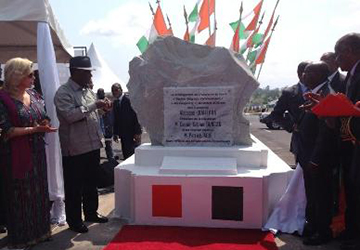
(347, 83)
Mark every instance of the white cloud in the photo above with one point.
(124, 25)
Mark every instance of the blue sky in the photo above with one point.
(306, 29)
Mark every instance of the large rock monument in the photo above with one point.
(176, 83)
(202, 168)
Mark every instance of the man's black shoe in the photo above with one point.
(308, 230)
(346, 236)
(317, 239)
(2, 229)
(80, 228)
(98, 218)
(350, 245)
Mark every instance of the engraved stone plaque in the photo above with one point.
(198, 116)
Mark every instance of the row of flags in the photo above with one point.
(203, 16)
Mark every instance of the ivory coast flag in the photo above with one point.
(260, 58)
(252, 55)
(242, 33)
(271, 20)
(255, 39)
(211, 40)
(235, 43)
(253, 24)
(142, 44)
(159, 22)
(194, 18)
(170, 32)
(146, 40)
(187, 35)
(194, 15)
(207, 8)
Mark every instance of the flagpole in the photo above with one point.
(152, 10)
(215, 23)
(235, 44)
(272, 16)
(168, 19)
(240, 17)
(186, 18)
(252, 36)
(272, 31)
(209, 16)
(187, 25)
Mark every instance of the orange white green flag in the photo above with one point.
(211, 40)
(194, 19)
(206, 10)
(159, 22)
(235, 43)
(253, 23)
(260, 57)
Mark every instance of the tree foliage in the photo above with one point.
(263, 96)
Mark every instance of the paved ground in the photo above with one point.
(100, 235)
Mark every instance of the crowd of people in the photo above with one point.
(326, 148)
(25, 205)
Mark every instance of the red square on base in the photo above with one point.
(166, 201)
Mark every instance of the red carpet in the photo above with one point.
(184, 238)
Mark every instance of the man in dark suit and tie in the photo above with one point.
(290, 100)
(316, 154)
(126, 124)
(337, 83)
(347, 50)
(336, 79)
(2, 208)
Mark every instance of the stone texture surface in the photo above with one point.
(172, 62)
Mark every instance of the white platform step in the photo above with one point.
(198, 165)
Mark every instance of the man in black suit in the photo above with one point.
(337, 83)
(2, 208)
(336, 79)
(126, 124)
(290, 100)
(347, 50)
(317, 149)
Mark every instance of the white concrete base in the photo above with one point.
(262, 175)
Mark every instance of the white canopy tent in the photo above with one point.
(19, 21)
(103, 76)
(30, 30)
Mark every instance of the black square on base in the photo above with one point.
(227, 203)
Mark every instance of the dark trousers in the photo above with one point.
(354, 192)
(108, 149)
(80, 185)
(2, 203)
(127, 146)
(346, 153)
(319, 195)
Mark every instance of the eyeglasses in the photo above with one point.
(31, 75)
